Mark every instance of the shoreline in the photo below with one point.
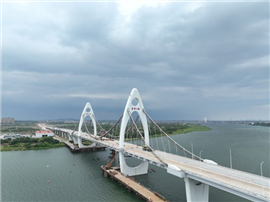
(23, 147)
(27, 143)
(8, 148)
(179, 132)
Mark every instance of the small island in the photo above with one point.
(180, 128)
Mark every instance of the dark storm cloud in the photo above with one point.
(187, 62)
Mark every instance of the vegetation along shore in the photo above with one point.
(26, 143)
(30, 143)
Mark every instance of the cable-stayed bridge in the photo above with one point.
(133, 139)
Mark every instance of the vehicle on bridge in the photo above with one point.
(146, 148)
(210, 162)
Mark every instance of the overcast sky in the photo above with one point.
(188, 60)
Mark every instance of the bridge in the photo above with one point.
(198, 173)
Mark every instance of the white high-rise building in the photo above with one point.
(205, 119)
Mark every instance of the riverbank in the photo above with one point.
(191, 128)
(30, 144)
(178, 130)
(264, 124)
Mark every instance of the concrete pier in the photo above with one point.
(132, 186)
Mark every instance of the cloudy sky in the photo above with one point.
(188, 60)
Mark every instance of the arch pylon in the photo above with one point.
(87, 111)
(129, 109)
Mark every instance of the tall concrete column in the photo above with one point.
(69, 137)
(75, 139)
(196, 191)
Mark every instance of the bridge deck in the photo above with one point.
(238, 182)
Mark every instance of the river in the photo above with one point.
(77, 176)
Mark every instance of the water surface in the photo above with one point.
(77, 176)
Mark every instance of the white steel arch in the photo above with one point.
(87, 111)
(129, 109)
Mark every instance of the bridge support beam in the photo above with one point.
(75, 139)
(69, 137)
(132, 171)
(196, 191)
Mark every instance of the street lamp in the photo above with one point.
(201, 153)
(230, 157)
(262, 177)
(192, 149)
(200, 160)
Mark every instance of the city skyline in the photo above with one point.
(188, 60)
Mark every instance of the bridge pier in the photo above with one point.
(80, 144)
(132, 171)
(69, 137)
(75, 139)
(66, 135)
(196, 191)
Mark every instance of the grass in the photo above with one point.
(191, 128)
(30, 144)
(22, 127)
(23, 147)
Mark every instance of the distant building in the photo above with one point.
(44, 133)
(205, 119)
(12, 136)
(26, 135)
(7, 120)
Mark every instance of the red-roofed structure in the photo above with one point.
(44, 133)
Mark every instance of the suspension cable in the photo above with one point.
(132, 124)
(107, 132)
(76, 127)
(184, 149)
(98, 123)
(145, 141)
(86, 128)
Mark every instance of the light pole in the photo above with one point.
(200, 160)
(165, 147)
(230, 157)
(262, 177)
(165, 150)
(191, 148)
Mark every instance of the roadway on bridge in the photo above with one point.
(228, 179)
(239, 180)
